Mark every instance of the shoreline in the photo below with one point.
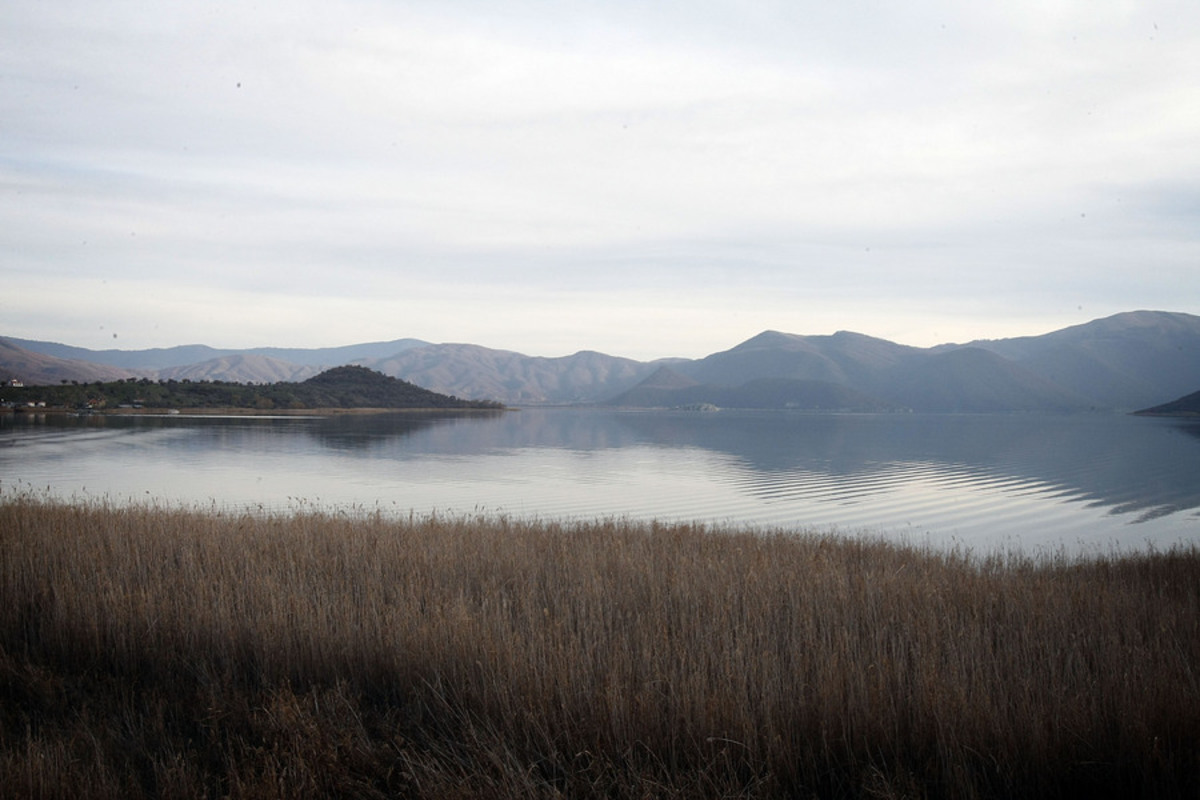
(230, 411)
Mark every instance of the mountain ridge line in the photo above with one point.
(1123, 362)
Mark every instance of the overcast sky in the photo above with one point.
(643, 179)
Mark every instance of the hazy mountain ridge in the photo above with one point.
(1123, 362)
(872, 374)
(20, 363)
(241, 368)
(159, 358)
(843, 357)
(976, 380)
(771, 393)
(469, 370)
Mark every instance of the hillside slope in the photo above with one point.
(22, 364)
(1123, 362)
(761, 393)
(240, 368)
(473, 371)
(847, 358)
(165, 358)
(1186, 406)
(975, 380)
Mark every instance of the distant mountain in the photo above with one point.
(851, 372)
(325, 356)
(972, 379)
(31, 367)
(666, 378)
(1126, 361)
(1123, 362)
(469, 370)
(187, 355)
(763, 393)
(845, 358)
(154, 359)
(1186, 406)
(240, 368)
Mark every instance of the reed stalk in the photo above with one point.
(165, 652)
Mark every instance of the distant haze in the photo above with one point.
(644, 179)
(1127, 362)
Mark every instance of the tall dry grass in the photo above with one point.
(151, 652)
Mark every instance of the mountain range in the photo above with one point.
(1123, 362)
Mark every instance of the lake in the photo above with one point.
(1077, 483)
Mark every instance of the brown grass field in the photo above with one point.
(178, 653)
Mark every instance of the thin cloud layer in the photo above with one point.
(554, 177)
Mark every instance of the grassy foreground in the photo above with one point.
(148, 652)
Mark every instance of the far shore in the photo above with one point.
(225, 411)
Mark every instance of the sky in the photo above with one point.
(643, 179)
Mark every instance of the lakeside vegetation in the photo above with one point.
(163, 652)
(340, 387)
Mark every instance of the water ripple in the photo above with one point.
(971, 480)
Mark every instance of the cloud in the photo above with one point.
(767, 165)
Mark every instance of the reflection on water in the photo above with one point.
(1129, 464)
(979, 480)
(369, 431)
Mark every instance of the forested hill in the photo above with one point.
(360, 387)
(340, 387)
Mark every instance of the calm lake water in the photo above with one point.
(1033, 482)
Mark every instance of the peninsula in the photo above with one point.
(346, 387)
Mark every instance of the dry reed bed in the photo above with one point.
(173, 653)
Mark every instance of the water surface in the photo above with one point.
(1031, 481)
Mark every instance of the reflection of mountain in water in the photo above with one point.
(1143, 467)
(1127, 464)
(477, 433)
(365, 432)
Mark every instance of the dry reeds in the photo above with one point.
(175, 653)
